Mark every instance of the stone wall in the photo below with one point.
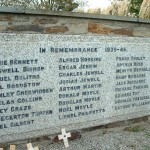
(47, 22)
(69, 23)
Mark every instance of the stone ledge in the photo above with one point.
(71, 14)
(12, 10)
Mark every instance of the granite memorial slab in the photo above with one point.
(49, 82)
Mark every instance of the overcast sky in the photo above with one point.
(98, 3)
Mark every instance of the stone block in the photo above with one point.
(45, 20)
(21, 18)
(141, 32)
(34, 28)
(56, 29)
(123, 31)
(99, 28)
(2, 28)
(6, 17)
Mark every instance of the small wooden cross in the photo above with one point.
(12, 147)
(29, 146)
(64, 137)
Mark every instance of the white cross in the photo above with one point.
(29, 146)
(64, 137)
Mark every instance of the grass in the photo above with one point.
(146, 147)
(134, 129)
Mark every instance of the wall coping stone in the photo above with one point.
(19, 10)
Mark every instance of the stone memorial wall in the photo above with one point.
(50, 81)
(91, 73)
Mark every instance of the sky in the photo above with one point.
(98, 3)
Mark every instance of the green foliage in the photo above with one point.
(67, 5)
(135, 7)
(147, 135)
(146, 147)
(61, 5)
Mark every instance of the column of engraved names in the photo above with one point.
(131, 82)
(79, 86)
(20, 88)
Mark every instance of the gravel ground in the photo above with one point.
(133, 137)
(136, 137)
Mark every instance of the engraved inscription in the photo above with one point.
(47, 83)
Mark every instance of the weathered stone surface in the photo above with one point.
(2, 28)
(6, 17)
(141, 33)
(123, 31)
(56, 29)
(49, 82)
(99, 28)
(103, 29)
(21, 18)
(44, 20)
(34, 28)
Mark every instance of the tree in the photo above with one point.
(145, 9)
(94, 11)
(118, 7)
(124, 7)
(64, 5)
(135, 7)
